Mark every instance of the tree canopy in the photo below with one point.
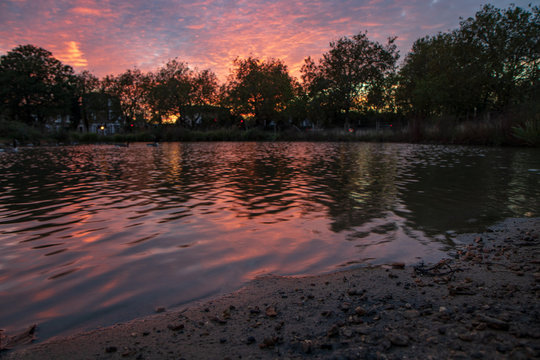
(352, 70)
(34, 84)
(259, 88)
(489, 64)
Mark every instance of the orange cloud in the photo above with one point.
(72, 55)
(86, 11)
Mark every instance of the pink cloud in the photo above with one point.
(116, 36)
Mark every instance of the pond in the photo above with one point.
(93, 235)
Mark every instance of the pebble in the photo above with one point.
(250, 340)
(360, 311)
(494, 323)
(160, 309)
(307, 346)
(271, 311)
(411, 314)
(398, 339)
(175, 327)
(334, 331)
(111, 349)
(466, 336)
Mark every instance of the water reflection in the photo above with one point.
(91, 235)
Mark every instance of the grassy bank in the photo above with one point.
(490, 133)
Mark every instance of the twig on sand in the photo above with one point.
(442, 268)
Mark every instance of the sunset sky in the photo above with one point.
(109, 37)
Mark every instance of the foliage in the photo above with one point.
(352, 74)
(259, 88)
(490, 63)
(131, 91)
(529, 132)
(34, 85)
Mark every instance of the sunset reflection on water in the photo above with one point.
(92, 235)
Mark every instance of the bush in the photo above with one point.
(529, 132)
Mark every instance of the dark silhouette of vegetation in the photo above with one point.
(476, 84)
(351, 75)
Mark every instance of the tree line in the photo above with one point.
(489, 65)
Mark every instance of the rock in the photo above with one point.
(411, 314)
(360, 311)
(468, 337)
(345, 306)
(460, 290)
(327, 313)
(250, 340)
(334, 331)
(493, 322)
(160, 309)
(398, 265)
(110, 349)
(504, 347)
(307, 346)
(355, 292)
(175, 327)
(398, 339)
(219, 320)
(269, 342)
(271, 311)
(255, 310)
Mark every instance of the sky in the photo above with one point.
(111, 36)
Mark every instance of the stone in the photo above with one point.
(334, 331)
(160, 309)
(271, 311)
(307, 346)
(398, 339)
(494, 323)
(411, 314)
(360, 311)
(269, 342)
(345, 306)
(175, 327)
(468, 337)
(111, 349)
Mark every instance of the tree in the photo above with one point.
(490, 63)
(205, 88)
(348, 72)
(86, 85)
(509, 43)
(34, 85)
(130, 88)
(259, 88)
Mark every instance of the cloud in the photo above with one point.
(72, 55)
(85, 11)
(118, 35)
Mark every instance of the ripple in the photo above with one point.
(90, 232)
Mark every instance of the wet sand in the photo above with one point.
(480, 303)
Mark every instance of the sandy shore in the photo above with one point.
(482, 303)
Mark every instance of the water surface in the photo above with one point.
(92, 235)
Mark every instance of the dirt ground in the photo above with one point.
(480, 303)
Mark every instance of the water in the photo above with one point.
(93, 235)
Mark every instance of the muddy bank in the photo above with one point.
(481, 303)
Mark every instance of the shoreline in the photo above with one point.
(484, 303)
